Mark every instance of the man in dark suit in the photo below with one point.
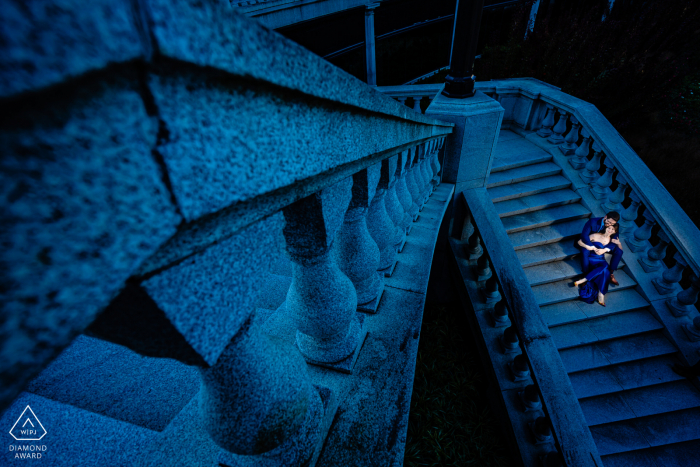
(598, 225)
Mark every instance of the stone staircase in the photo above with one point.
(618, 357)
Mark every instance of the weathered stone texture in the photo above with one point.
(44, 43)
(83, 204)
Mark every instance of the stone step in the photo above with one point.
(631, 375)
(626, 349)
(517, 152)
(111, 380)
(670, 455)
(536, 202)
(605, 328)
(569, 268)
(505, 135)
(548, 234)
(641, 433)
(642, 402)
(543, 217)
(70, 431)
(542, 254)
(561, 291)
(521, 174)
(527, 188)
(618, 301)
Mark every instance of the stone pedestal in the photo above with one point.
(469, 152)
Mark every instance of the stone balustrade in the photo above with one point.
(415, 92)
(516, 339)
(533, 105)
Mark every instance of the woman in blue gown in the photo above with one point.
(598, 274)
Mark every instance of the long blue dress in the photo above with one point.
(598, 274)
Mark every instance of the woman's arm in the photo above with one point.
(587, 247)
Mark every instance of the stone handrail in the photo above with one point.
(477, 223)
(147, 195)
(531, 104)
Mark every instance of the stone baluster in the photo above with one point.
(483, 268)
(416, 103)
(412, 182)
(402, 100)
(615, 199)
(426, 170)
(547, 123)
(420, 175)
(580, 158)
(558, 131)
(474, 249)
(639, 241)
(685, 301)
(356, 251)
(519, 369)
(629, 216)
(509, 340)
(668, 282)
(693, 330)
(257, 402)
(393, 206)
(569, 147)
(500, 315)
(652, 261)
(436, 163)
(542, 430)
(591, 173)
(531, 398)
(321, 300)
(490, 291)
(601, 188)
(381, 228)
(402, 192)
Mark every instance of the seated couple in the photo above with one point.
(600, 235)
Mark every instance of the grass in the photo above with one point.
(451, 422)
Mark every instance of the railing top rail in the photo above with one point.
(548, 370)
(684, 234)
(406, 90)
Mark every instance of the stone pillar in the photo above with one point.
(615, 199)
(629, 215)
(668, 281)
(393, 206)
(258, 403)
(652, 261)
(558, 131)
(357, 253)
(381, 228)
(601, 188)
(638, 242)
(321, 299)
(569, 147)
(591, 173)
(412, 182)
(416, 103)
(402, 193)
(547, 123)
(369, 44)
(469, 151)
(685, 301)
(580, 158)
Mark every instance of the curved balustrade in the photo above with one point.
(531, 104)
(545, 416)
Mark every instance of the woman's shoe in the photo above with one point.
(601, 303)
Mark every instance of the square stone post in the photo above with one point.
(469, 151)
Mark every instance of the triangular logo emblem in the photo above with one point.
(28, 427)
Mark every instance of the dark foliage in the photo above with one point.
(451, 422)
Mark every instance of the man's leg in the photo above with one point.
(614, 262)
